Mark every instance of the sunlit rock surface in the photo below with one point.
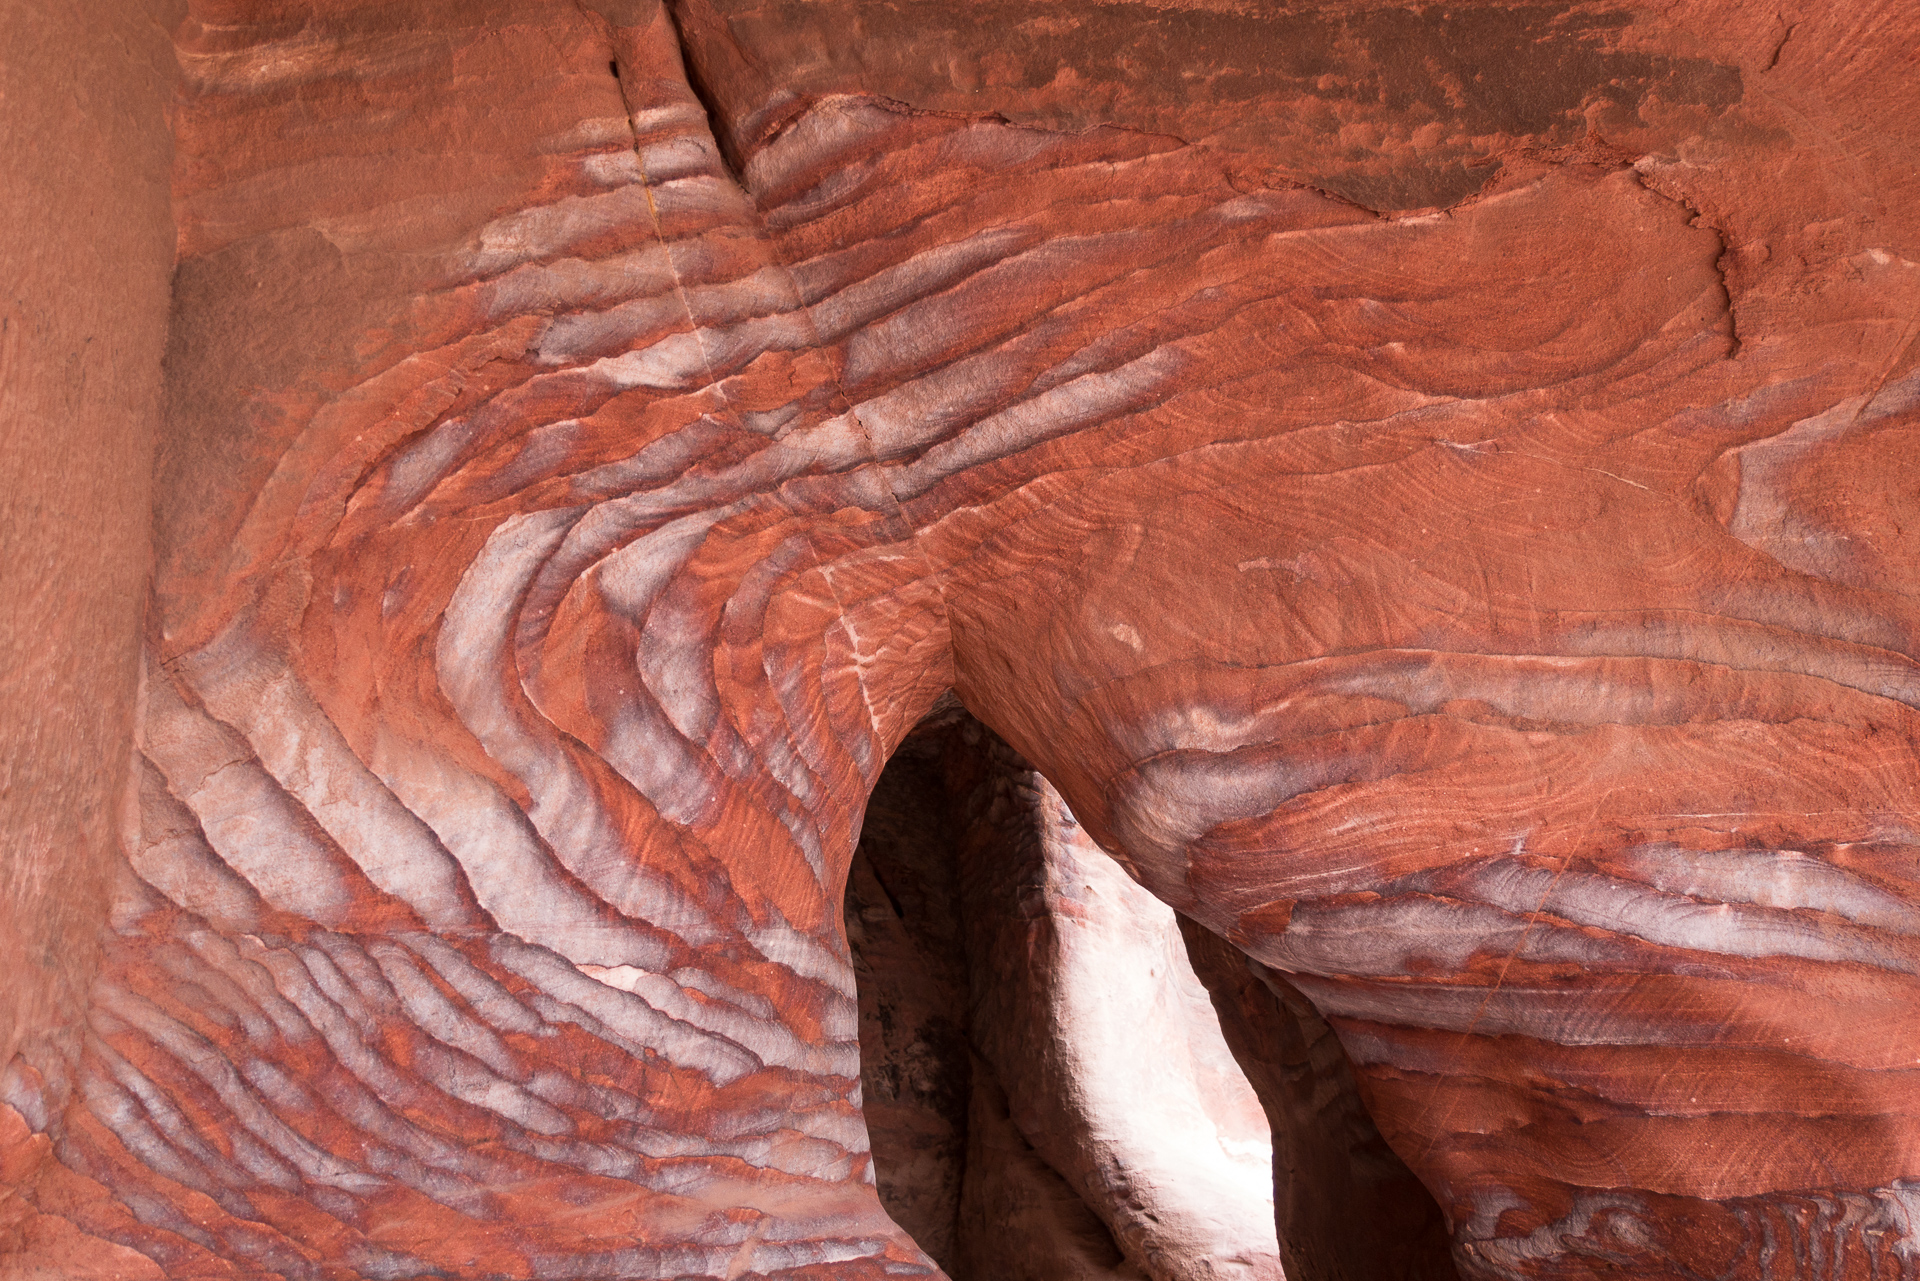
(1107, 1046)
(1047, 1086)
(1433, 491)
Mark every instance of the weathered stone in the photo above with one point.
(1432, 491)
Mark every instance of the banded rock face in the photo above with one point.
(1498, 619)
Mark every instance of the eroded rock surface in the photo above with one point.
(1433, 493)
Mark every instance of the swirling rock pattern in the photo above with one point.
(1444, 520)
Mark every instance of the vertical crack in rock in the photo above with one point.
(698, 330)
(1698, 218)
(1781, 48)
(717, 123)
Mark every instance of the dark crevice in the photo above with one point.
(626, 106)
(942, 876)
(893, 900)
(1720, 265)
(916, 1065)
(697, 85)
(1778, 49)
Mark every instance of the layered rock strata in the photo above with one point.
(1456, 542)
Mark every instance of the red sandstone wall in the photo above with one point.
(86, 252)
(1501, 620)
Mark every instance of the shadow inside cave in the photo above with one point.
(1064, 1081)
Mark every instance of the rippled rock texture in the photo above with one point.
(1434, 490)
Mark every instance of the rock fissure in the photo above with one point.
(1697, 217)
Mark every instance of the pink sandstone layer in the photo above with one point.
(1433, 491)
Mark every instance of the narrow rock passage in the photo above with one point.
(1045, 1078)
(1013, 979)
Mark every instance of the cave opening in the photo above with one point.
(1064, 1080)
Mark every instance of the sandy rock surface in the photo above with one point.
(1434, 491)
